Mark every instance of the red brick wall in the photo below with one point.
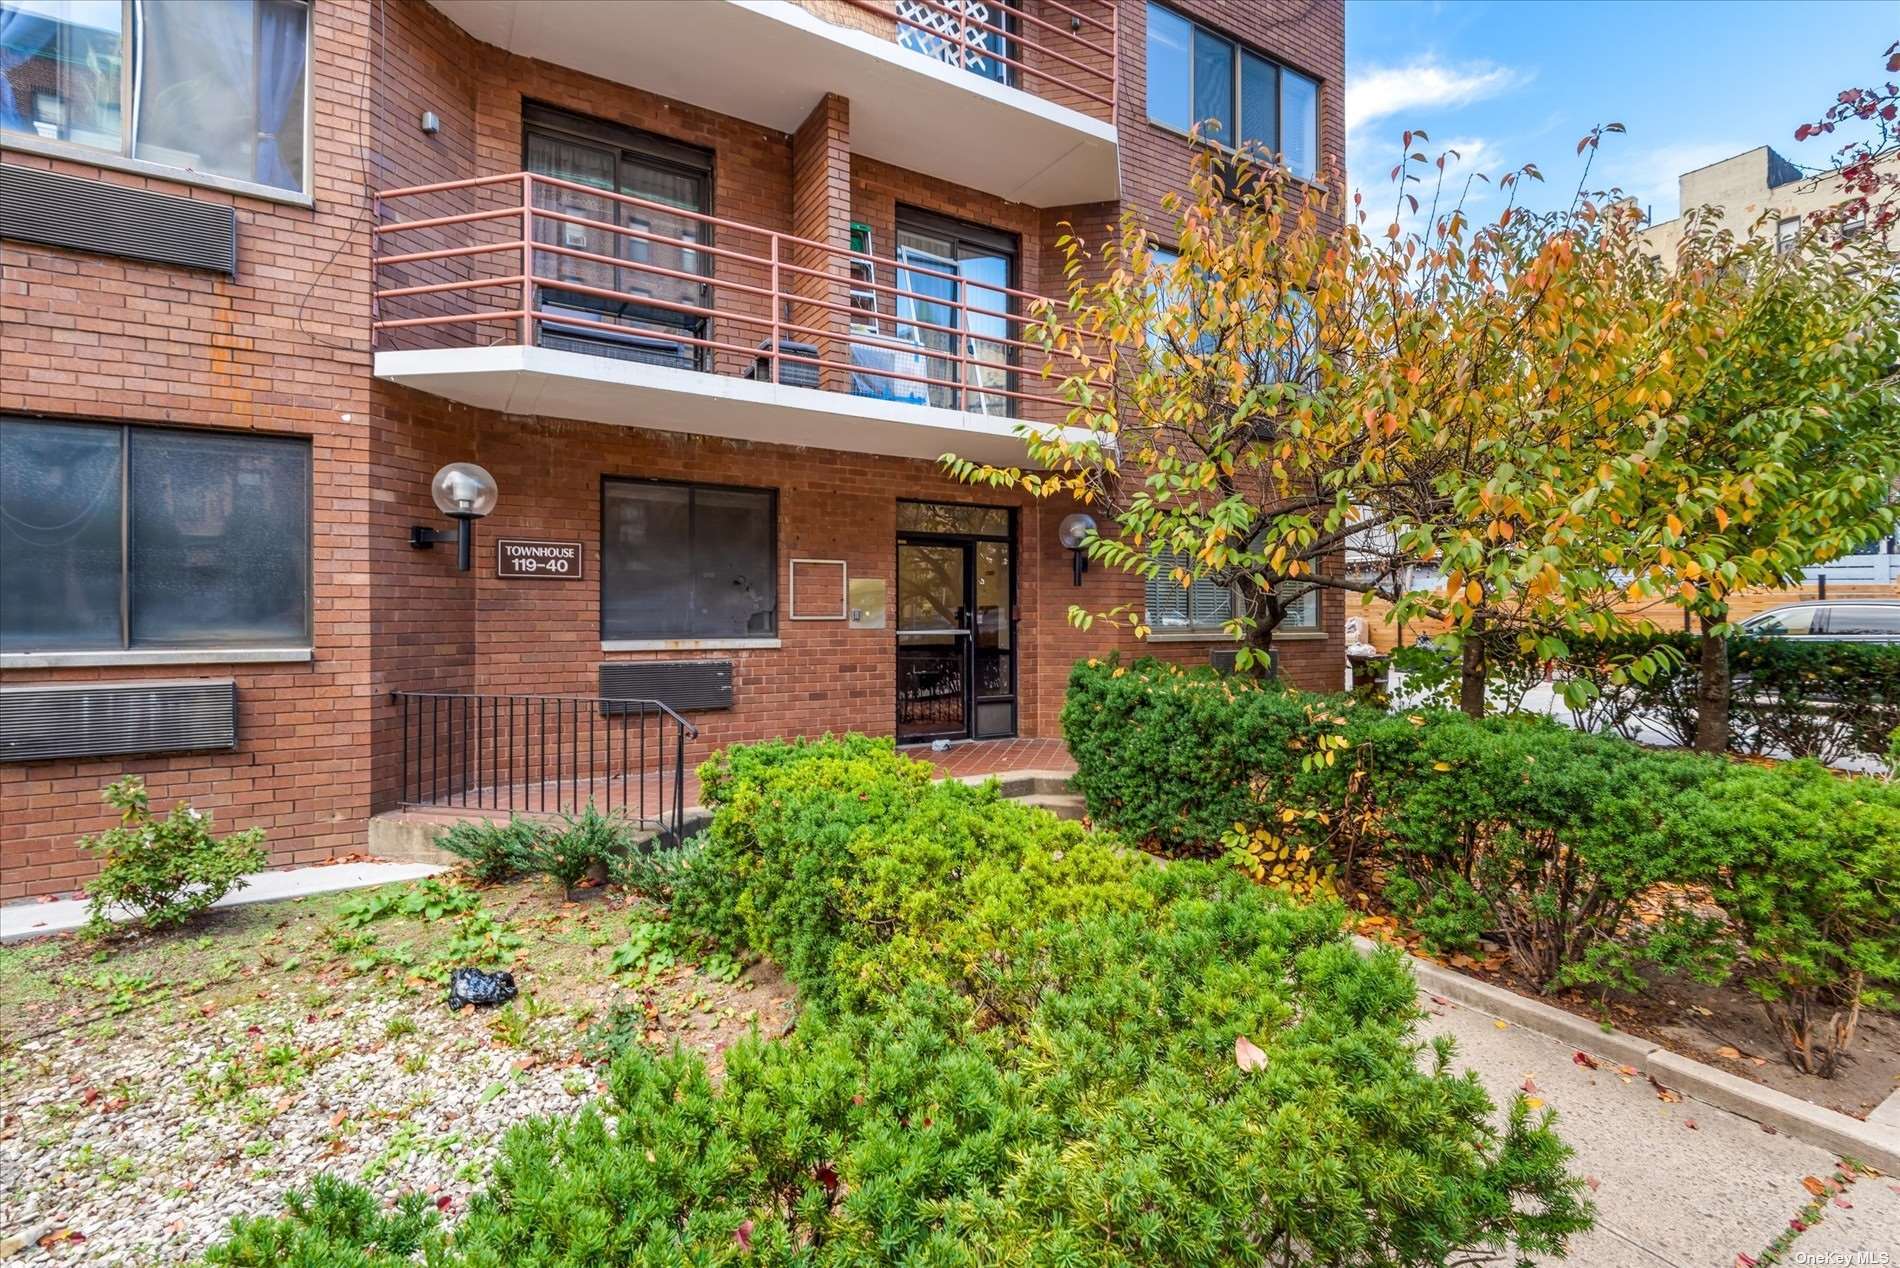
(282, 348)
(1308, 35)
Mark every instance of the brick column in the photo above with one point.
(821, 212)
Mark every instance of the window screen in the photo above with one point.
(687, 561)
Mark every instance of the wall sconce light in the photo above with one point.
(1073, 533)
(463, 492)
(429, 123)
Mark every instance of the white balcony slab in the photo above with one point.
(551, 383)
(769, 61)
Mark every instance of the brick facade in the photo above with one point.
(285, 347)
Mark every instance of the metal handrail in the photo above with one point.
(543, 754)
(970, 48)
(779, 293)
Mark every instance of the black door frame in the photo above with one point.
(972, 698)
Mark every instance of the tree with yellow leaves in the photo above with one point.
(1286, 403)
(1781, 446)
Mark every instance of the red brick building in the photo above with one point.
(706, 286)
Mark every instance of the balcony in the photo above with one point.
(1017, 100)
(566, 301)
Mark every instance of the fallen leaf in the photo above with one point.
(1592, 1181)
(1502, 1025)
(1690, 1124)
(1584, 1059)
(1728, 1052)
(1532, 1102)
(743, 1235)
(1663, 1093)
(1814, 1185)
(444, 1202)
(1247, 1056)
(1844, 1204)
(1440, 999)
(1530, 1085)
(1744, 1260)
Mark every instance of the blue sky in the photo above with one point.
(1512, 81)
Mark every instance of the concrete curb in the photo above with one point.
(1875, 1142)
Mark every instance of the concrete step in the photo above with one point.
(1061, 805)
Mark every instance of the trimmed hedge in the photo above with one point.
(1022, 1046)
(1521, 830)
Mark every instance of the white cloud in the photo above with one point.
(1378, 92)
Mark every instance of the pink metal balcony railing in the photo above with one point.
(1063, 52)
(708, 293)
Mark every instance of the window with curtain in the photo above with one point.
(148, 537)
(1196, 76)
(954, 302)
(213, 87)
(687, 561)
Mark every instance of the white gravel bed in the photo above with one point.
(143, 1144)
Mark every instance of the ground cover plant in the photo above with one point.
(1016, 1043)
(1591, 860)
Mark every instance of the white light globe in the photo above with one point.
(464, 490)
(1074, 530)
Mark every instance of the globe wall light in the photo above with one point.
(1074, 533)
(464, 492)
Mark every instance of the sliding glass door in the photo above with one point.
(648, 310)
(954, 280)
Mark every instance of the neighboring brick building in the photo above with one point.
(211, 463)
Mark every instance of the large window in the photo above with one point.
(1198, 77)
(143, 537)
(687, 561)
(215, 87)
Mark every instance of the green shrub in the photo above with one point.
(331, 1224)
(1813, 699)
(587, 842)
(1545, 838)
(168, 870)
(1174, 758)
(856, 874)
(493, 852)
(1812, 886)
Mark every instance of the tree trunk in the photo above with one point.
(1473, 668)
(1712, 691)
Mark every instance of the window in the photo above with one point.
(144, 537)
(941, 262)
(1787, 230)
(215, 87)
(677, 179)
(1293, 359)
(1207, 606)
(1870, 621)
(1196, 76)
(687, 561)
(1788, 621)
(1172, 607)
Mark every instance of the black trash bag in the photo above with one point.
(484, 990)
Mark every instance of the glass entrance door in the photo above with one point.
(956, 623)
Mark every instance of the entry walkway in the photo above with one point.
(1678, 1183)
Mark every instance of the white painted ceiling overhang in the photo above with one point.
(555, 384)
(769, 61)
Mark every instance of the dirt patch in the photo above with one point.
(1722, 1026)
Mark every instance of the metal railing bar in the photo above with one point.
(1015, 37)
(432, 288)
(460, 218)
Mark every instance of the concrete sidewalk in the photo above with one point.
(36, 919)
(1678, 1183)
